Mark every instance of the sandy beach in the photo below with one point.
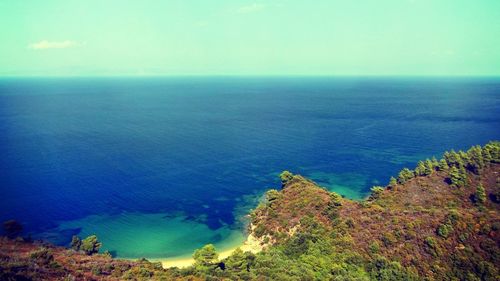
(252, 244)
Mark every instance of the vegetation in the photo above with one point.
(285, 177)
(89, 245)
(405, 175)
(480, 195)
(428, 224)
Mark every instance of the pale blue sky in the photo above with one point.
(150, 37)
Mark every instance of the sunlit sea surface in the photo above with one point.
(158, 167)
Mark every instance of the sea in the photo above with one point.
(157, 167)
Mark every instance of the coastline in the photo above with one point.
(251, 244)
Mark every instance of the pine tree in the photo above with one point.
(285, 177)
(443, 166)
(475, 159)
(392, 181)
(463, 176)
(405, 175)
(429, 167)
(420, 169)
(480, 195)
(463, 158)
(452, 158)
(435, 162)
(486, 156)
(493, 149)
(205, 256)
(458, 176)
(376, 191)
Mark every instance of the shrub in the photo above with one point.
(432, 246)
(444, 230)
(272, 195)
(376, 191)
(384, 270)
(388, 239)
(332, 206)
(90, 245)
(374, 247)
(285, 177)
(42, 256)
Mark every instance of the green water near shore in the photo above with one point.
(137, 235)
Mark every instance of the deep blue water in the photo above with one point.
(71, 148)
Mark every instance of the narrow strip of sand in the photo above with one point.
(252, 244)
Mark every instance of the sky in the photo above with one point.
(210, 37)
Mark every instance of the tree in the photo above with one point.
(486, 156)
(12, 228)
(476, 161)
(443, 166)
(458, 176)
(435, 162)
(405, 175)
(90, 245)
(238, 264)
(285, 177)
(464, 158)
(493, 149)
(331, 210)
(420, 169)
(376, 191)
(205, 256)
(480, 195)
(453, 158)
(429, 167)
(424, 168)
(392, 182)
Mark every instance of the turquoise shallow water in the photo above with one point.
(152, 235)
(157, 167)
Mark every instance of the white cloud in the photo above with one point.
(44, 44)
(252, 8)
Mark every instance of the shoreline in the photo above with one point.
(251, 244)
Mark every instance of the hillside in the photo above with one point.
(440, 221)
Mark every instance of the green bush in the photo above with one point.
(374, 247)
(432, 246)
(444, 230)
(90, 245)
(42, 256)
(376, 192)
(388, 239)
(285, 177)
